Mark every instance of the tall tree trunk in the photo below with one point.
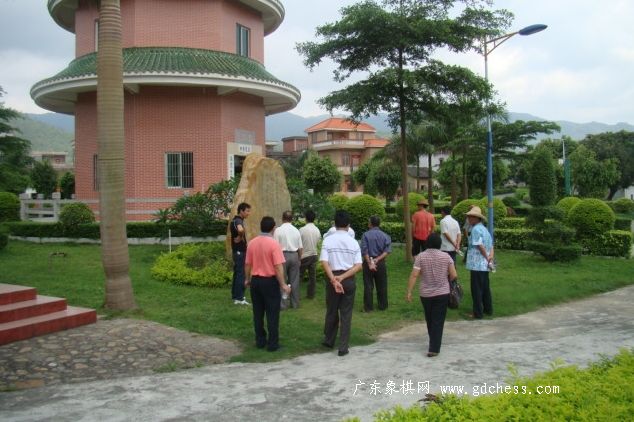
(407, 226)
(418, 173)
(454, 182)
(430, 184)
(111, 159)
(465, 184)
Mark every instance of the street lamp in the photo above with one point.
(495, 42)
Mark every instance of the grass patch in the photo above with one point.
(602, 392)
(523, 283)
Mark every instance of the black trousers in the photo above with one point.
(435, 309)
(418, 246)
(266, 296)
(371, 279)
(309, 264)
(339, 313)
(481, 294)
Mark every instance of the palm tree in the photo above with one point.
(111, 159)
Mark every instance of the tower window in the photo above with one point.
(243, 40)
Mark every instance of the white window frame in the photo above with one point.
(183, 179)
(243, 32)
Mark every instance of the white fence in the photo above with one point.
(42, 209)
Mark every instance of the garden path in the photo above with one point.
(321, 387)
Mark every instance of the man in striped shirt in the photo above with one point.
(341, 259)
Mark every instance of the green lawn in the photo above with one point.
(522, 283)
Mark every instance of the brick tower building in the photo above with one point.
(196, 93)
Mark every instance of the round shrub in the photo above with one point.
(511, 201)
(499, 209)
(76, 213)
(591, 217)
(338, 201)
(361, 208)
(567, 203)
(9, 207)
(622, 206)
(197, 264)
(460, 209)
(413, 199)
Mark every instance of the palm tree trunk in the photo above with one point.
(111, 159)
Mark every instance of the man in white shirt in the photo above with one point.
(341, 259)
(310, 238)
(333, 229)
(449, 233)
(289, 238)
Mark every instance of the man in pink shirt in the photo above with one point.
(265, 276)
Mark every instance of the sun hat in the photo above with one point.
(476, 212)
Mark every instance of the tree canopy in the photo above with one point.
(321, 174)
(391, 44)
(14, 153)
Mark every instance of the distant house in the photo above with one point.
(59, 160)
(347, 144)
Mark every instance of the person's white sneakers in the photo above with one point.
(237, 302)
(244, 302)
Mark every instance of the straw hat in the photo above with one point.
(422, 201)
(476, 212)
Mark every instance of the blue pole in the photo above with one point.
(490, 214)
(489, 152)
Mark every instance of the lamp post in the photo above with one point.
(495, 42)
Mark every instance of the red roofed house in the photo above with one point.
(348, 145)
(196, 93)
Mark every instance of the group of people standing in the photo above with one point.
(273, 263)
(435, 266)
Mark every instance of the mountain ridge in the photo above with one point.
(55, 131)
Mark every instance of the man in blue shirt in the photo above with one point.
(375, 247)
(479, 255)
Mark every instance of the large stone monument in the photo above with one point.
(263, 186)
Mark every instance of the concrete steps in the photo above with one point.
(24, 314)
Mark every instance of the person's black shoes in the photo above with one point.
(329, 346)
(342, 353)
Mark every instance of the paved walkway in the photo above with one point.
(322, 386)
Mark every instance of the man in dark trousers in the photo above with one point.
(239, 250)
(375, 247)
(341, 259)
(265, 276)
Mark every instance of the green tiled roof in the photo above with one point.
(168, 60)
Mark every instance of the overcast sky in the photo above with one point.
(579, 69)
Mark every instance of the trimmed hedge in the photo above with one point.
(4, 240)
(622, 206)
(499, 209)
(76, 213)
(591, 217)
(361, 208)
(567, 203)
(512, 238)
(413, 199)
(603, 391)
(9, 207)
(511, 223)
(460, 209)
(197, 264)
(612, 243)
(338, 201)
(134, 230)
(623, 223)
(395, 231)
(511, 201)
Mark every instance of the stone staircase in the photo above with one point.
(25, 314)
